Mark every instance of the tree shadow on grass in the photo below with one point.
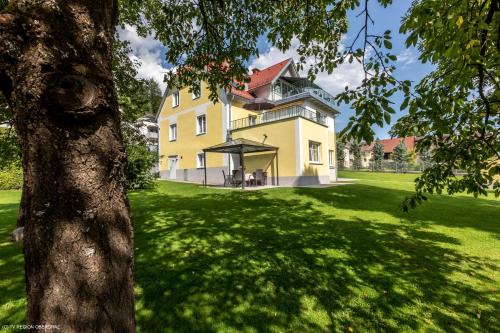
(250, 262)
(449, 211)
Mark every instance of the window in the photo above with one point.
(314, 151)
(201, 124)
(331, 158)
(197, 91)
(173, 132)
(175, 99)
(252, 120)
(200, 160)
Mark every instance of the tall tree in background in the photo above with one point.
(400, 157)
(356, 152)
(136, 97)
(340, 146)
(378, 156)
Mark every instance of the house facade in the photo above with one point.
(277, 108)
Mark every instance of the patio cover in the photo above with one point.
(240, 146)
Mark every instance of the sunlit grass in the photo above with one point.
(344, 258)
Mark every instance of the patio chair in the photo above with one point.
(237, 178)
(249, 179)
(260, 177)
(228, 179)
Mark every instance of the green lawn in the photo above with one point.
(300, 260)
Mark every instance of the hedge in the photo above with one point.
(11, 178)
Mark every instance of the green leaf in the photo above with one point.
(387, 117)
(404, 105)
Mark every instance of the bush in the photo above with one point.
(11, 178)
(140, 160)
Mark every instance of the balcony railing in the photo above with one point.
(152, 135)
(288, 87)
(285, 113)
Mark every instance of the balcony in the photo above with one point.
(287, 88)
(285, 113)
(152, 135)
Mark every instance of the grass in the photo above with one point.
(300, 260)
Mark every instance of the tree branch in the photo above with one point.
(482, 52)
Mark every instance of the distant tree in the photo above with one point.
(340, 146)
(356, 152)
(10, 151)
(400, 157)
(136, 97)
(154, 94)
(5, 115)
(378, 156)
(425, 158)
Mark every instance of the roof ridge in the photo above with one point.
(267, 75)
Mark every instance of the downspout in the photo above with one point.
(228, 134)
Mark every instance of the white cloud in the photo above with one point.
(147, 51)
(344, 75)
(407, 57)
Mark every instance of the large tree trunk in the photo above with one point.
(55, 70)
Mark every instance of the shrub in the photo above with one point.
(11, 178)
(140, 159)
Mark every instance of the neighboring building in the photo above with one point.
(148, 128)
(348, 156)
(389, 145)
(277, 108)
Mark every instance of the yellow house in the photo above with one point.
(278, 108)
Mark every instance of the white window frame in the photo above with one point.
(313, 144)
(199, 92)
(176, 99)
(199, 126)
(200, 160)
(172, 137)
(331, 158)
(252, 120)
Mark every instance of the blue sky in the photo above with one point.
(151, 56)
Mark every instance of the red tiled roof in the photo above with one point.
(242, 93)
(390, 144)
(265, 76)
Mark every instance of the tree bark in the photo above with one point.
(55, 70)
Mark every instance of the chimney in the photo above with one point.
(255, 70)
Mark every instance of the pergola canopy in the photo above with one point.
(241, 147)
(238, 146)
